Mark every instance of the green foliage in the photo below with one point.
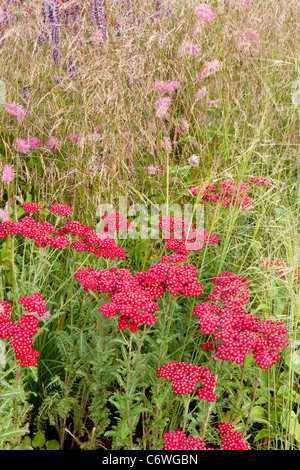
(37, 442)
(15, 406)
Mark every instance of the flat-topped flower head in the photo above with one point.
(231, 439)
(34, 303)
(31, 207)
(180, 441)
(187, 378)
(115, 222)
(21, 332)
(176, 225)
(260, 181)
(61, 209)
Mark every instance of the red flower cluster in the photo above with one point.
(106, 280)
(174, 224)
(128, 299)
(230, 290)
(179, 441)
(231, 439)
(186, 376)
(243, 333)
(177, 278)
(229, 193)
(236, 332)
(34, 303)
(93, 242)
(192, 241)
(210, 320)
(115, 222)
(260, 181)
(268, 263)
(21, 332)
(134, 295)
(44, 233)
(31, 207)
(60, 209)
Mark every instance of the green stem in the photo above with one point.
(252, 405)
(127, 389)
(238, 394)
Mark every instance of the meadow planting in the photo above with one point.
(149, 225)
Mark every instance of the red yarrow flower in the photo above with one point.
(31, 207)
(231, 439)
(35, 303)
(260, 181)
(21, 332)
(114, 222)
(60, 209)
(179, 441)
(185, 378)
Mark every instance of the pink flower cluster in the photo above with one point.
(205, 12)
(185, 378)
(174, 224)
(231, 439)
(162, 107)
(34, 303)
(179, 441)
(55, 208)
(8, 174)
(54, 143)
(210, 68)
(237, 333)
(201, 93)
(31, 207)
(21, 332)
(166, 87)
(229, 193)
(191, 241)
(231, 291)
(16, 110)
(24, 145)
(41, 232)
